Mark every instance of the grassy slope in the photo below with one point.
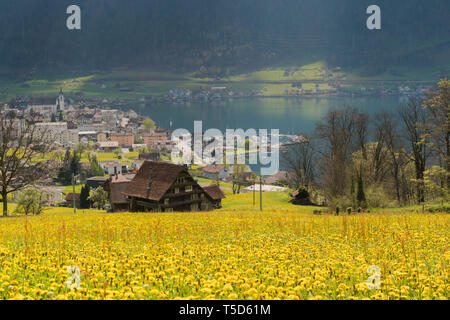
(157, 83)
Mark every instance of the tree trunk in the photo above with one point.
(5, 203)
(448, 159)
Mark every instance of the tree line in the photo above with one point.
(390, 159)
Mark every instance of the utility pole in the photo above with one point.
(260, 176)
(254, 182)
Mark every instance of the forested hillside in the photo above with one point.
(221, 36)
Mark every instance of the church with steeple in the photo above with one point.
(48, 106)
(60, 101)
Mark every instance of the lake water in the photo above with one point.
(289, 115)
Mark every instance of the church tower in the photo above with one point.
(60, 101)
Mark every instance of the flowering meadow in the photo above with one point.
(226, 254)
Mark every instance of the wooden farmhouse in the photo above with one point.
(167, 187)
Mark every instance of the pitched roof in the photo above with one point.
(149, 156)
(109, 144)
(116, 192)
(69, 196)
(214, 192)
(153, 180)
(43, 101)
(97, 178)
(212, 168)
(117, 178)
(277, 177)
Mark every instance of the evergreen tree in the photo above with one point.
(75, 165)
(360, 196)
(96, 169)
(84, 195)
(64, 173)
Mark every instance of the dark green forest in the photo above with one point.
(184, 35)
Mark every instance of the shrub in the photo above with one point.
(302, 197)
(377, 197)
(98, 197)
(349, 210)
(29, 201)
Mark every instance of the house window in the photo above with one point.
(194, 207)
(177, 190)
(194, 196)
(181, 180)
(166, 201)
(188, 188)
(169, 210)
(202, 196)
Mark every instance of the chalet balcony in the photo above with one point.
(182, 194)
(181, 203)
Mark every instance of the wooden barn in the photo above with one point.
(167, 187)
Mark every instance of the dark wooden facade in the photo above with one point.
(166, 187)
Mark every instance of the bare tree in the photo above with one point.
(362, 131)
(299, 161)
(20, 144)
(413, 116)
(389, 150)
(336, 134)
(238, 178)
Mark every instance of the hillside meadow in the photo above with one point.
(280, 253)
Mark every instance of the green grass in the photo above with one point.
(69, 189)
(269, 81)
(271, 201)
(412, 208)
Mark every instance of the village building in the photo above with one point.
(280, 177)
(47, 106)
(95, 182)
(51, 131)
(216, 195)
(18, 127)
(108, 146)
(167, 187)
(113, 167)
(102, 136)
(151, 156)
(124, 139)
(157, 137)
(89, 135)
(51, 196)
(215, 172)
(115, 186)
(68, 138)
(69, 200)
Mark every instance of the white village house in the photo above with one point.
(114, 167)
